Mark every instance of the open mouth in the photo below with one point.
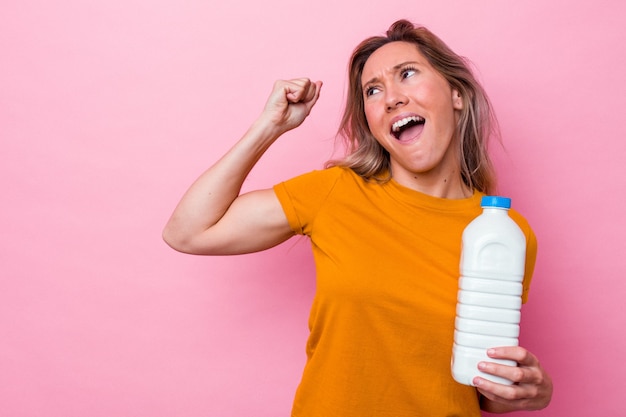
(407, 128)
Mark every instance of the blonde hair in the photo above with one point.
(475, 126)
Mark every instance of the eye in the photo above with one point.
(370, 91)
(407, 72)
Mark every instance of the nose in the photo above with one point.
(395, 98)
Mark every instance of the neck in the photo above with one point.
(449, 186)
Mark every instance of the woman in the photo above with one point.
(385, 225)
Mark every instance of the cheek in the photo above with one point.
(372, 117)
(435, 92)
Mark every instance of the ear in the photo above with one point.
(457, 100)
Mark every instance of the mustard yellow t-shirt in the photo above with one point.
(382, 320)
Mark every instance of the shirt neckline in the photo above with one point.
(436, 203)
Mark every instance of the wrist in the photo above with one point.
(268, 128)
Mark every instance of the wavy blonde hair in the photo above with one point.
(475, 126)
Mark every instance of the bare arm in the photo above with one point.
(212, 217)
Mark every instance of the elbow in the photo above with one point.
(187, 243)
(175, 240)
(170, 239)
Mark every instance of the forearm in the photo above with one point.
(210, 196)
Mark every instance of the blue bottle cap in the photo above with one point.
(495, 201)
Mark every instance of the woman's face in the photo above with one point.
(412, 112)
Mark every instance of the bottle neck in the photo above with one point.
(490, 209)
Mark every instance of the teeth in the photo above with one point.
(401, 123)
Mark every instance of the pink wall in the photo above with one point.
(109, 109)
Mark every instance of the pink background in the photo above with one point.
(109, 109)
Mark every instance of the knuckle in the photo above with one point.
(521, 355)
(509, 394)
(528, 357)
(533, 392)
(540, 379)
(517, 374)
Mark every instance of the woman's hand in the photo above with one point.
(290, 103)
(532, 388)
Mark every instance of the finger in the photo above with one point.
(516, 353)
(500, 392)
(297, 90)
(312, 91)
(493, 391)
(286, 92)
(314, 94)
(514, 374)
(511, 402)
(278, 96)
(527, 371)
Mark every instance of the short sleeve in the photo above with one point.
(302, 197)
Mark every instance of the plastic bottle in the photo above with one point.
(490, 287)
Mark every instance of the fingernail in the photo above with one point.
(482, 365)
(491, 352)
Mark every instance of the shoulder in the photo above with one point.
(305, 196)
(324, 179)
(521, 222)
(313, 189)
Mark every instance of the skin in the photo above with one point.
(213, 218)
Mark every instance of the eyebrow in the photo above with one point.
(395, 68)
